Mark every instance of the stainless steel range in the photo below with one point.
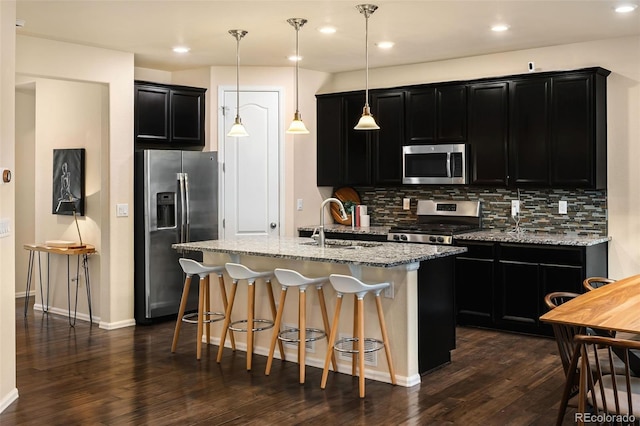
(439, 221)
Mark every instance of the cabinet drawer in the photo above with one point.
(543, 255)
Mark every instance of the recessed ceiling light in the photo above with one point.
(327, 30)
(294, 58)
(626, 8)
(385, 44)
(181, 49)
(500, 28)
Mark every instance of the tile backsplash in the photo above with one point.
(586, 210)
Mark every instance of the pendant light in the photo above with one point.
(297, 126)
(238, 130)
(367, 121)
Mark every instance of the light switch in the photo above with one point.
(122, 210)
(5, 227)
(299, 204)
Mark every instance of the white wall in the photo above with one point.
(64, 61)
(621, 56)
(8, 390)
(75, 123)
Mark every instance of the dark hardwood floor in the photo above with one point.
(88, 376)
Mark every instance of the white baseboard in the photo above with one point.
(8, 399)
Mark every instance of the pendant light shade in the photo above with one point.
(366, 122)
(237, 130)
(297, 126)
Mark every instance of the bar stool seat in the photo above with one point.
(301, 335)
(202, 316)
(239, 272)
(346, 284)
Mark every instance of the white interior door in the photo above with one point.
(251, 165)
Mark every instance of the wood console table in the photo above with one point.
(82, 253)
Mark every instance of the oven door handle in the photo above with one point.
(448, 164)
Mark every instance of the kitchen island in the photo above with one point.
(403, 305)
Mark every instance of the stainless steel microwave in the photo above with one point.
(435, 164)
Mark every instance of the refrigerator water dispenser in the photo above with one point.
(166, 205)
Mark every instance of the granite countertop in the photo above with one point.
(347, 229)
(525, 237)
(369, 253)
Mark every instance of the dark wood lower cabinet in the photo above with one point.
(502, 286)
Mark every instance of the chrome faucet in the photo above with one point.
(343, 214)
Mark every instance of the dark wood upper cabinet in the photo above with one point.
(529, 132)
(451, 104)
(168, 115)
(386, 143)
(357, 144)
(436, 114)
(488, 125)
(330, 127)
(578, 130)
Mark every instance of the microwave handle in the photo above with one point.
(448, 164)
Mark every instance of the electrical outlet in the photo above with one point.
(122, 210)
(406, 203)
(299, 204)
(515, 207)
(5, 227)
(388, 292)
(562, 207)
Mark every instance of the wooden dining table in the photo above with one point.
(614, 306)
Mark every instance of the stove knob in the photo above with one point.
(396, 237)
(403, 237)
(441, 239)
(432, 239)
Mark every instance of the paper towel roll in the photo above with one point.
(364, 221)
(363, 210)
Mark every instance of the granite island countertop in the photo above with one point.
(376, 254)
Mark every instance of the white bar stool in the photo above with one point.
(203, 315)
(346, 284)
(240, 272)
(289, 278)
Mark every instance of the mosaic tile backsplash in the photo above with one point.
(586, 210)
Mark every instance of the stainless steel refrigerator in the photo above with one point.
(176, 200)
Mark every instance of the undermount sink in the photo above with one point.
(344, 244)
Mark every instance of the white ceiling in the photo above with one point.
(423, 30)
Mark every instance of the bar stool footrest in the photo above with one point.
(347, 345)
(292, 335)
(208, 317)
(267, 325)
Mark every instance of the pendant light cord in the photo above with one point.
(366, 53)
(238, 36)
(297, 62)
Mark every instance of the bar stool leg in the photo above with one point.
(276, 330)
(361, 345)
(272, 305)
(207, 307)
(183, 305)
(250, 313)
(325, 322)
(332, 339)
(201, 292)
(385, 339)
(227, 320)
(225, 303)
(302, 333)
(354, 356)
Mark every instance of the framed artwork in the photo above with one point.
(68, 181)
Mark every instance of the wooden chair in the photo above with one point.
(596, 282)
(565, 335)
(601, 386)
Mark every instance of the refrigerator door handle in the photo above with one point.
(187, 222)
(183, 220)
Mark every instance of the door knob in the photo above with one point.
(273, 225)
